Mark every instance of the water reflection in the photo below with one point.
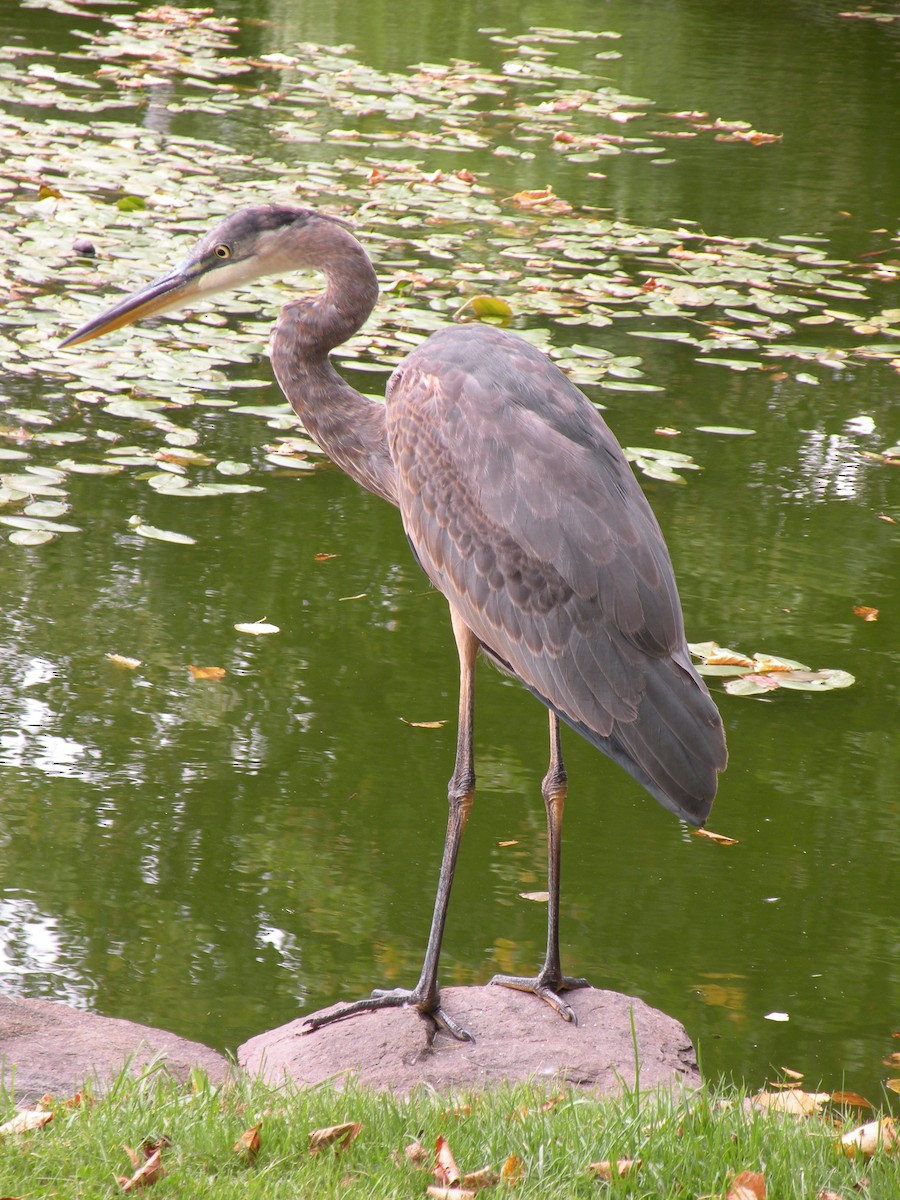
(214, 856)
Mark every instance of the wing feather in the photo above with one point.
(523, 511)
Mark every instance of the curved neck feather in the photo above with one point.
(349, 427)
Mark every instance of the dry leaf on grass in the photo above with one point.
(868, 1139)
(485, 1178)
(149, 1171)
(446, 1172)
(749, 1185)
(247, 1145)
(792, 1100)
(618, 1168)
(26, 1121)
(513, 1170)
(339, 1136)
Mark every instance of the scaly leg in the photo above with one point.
(550, 981)
(425, 996)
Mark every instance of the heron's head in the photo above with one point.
(264, 240)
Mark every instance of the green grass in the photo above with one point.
(691, 1145)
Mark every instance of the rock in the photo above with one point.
(517, 1038)
(48, 1047)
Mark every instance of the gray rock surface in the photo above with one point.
(517, 1038)
(48, 1047)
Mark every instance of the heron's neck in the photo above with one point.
(349, 427)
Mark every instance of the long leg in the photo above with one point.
(425, 996)
(550, 981)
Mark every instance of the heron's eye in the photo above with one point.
(222, 251)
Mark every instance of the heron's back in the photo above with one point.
(522, 510)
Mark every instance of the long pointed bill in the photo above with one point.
(167, 292)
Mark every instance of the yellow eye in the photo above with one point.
(222, 251)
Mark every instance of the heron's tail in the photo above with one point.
(675, 747)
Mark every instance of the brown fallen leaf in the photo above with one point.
(728, 658)
(768, 664)
(416, 1153)
(450, 1193)
(423, 724)
(486, 1177)
(446, 1172)
(544, 199)
(324, 557)
(852, 1099)
(184, 458)
(247, 1145)
(207, 672)
(537, 897)
(127, 664)
(719, 838)
(26, 1121)
(512, 1170)
(149, 1172)
(867, 614)
(619, 1168)
(793, 1100)
(749, 1185)
(825, 1194)
(339, 1136)
(868, 1139)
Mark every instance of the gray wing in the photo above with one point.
(522, 510)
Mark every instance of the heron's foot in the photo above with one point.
(547, 987)
(395, 998)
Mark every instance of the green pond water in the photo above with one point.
(216, 856)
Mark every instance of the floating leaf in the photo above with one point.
(726, 430)
(207, 672)
(751, 685)
(127, 664)
(867, 614)
(487, 308)
(256, 627)
(41, 523)
(291, 463)
(719, 838)
(31, 537)
(161, 535)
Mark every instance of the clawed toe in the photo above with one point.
(546, 989)
(395, 998)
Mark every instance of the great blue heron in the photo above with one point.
(518, 505)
